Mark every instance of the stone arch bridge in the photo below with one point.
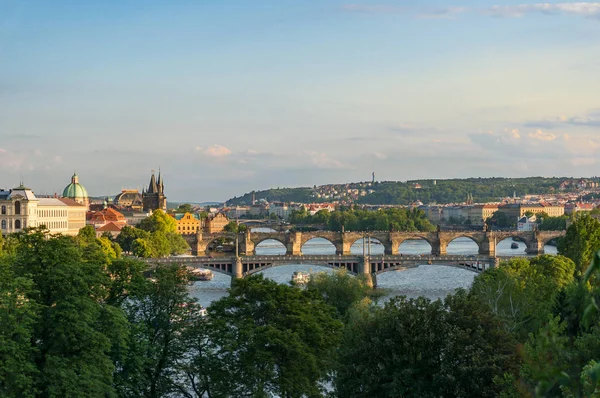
(343, 241)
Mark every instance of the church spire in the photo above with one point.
(153, 187)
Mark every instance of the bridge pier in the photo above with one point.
(439, 248)
(294, 244)
(343, 248)
(237, 270)
(488, 246)
(246, 245)
(365, 270)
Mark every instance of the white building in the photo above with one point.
(282, 210)
(20, 209)
(525, 224)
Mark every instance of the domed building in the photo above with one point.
(77, 192)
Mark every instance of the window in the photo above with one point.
(17, 224)
(4, 211)
(17, 207)
(3, 223)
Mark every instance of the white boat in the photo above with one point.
(300, 278)
(199, 274)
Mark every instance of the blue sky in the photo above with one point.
(229, 96)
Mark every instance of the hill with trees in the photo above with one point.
(426, 191)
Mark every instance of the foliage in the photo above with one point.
(275, 339)
(395, 219)
(185, 208)
(499, 219)
(581, 241)
(159, 313)
(234, 227)
(553, 223)
(419, 348)
(75, 330)
(159, 221)
(128, 235)
(18, 318)
(522, 292)
(340, 290)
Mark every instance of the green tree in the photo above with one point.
(77, 330)
(128, 235)
(160, 312)
(142, 248)
(185, 208)
(275, 339)
(340, 290)
(581, 241)
(177, 244)
(87, 234)
(18, 319)
(522, 292)
(419, 348)
(159, 221)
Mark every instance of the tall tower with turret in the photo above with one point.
(154, 197)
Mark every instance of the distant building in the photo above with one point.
(571, 208)
(280, 209)
(130, 199)
(109, 215)
(20, 209)
(76, 192)
(187, 223)
(154, 198)
(216, 223)
(526, 224)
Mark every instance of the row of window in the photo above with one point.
(18, 224)
(52, 213)
(23, 224)
(17, 208)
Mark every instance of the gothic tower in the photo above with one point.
(154, 198)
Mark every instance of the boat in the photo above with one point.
(197, 274)
(514, 245)
(300, 278)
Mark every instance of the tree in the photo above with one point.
(158, 221)
(87, 233)
(160, 312)
(18, 319)
(522, 292)
(185, 208)
(581, 241)
(128, 235)
(275, 339)
(177, 244)
(340, 289)
(76, 330)
(142, 248)
(425, 349)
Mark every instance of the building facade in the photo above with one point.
(20, 209)
(216, 223)
(187, 223)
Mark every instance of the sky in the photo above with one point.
(229, 96)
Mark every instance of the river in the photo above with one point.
(431, 281)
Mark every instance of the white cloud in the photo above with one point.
(379, 155)
(2, 150)
(321, 160)
(585, 9)
(542, 136)
(215, 151)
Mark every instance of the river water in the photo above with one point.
(431, 281)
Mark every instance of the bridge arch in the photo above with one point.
(463, 244)
(378, 246)
(417, 245)
(326, 239)
(273, 247)
(228, 240)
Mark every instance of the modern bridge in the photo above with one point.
(369, 266)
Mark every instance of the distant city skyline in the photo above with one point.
(227, 97)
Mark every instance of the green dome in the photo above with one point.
(75, 190)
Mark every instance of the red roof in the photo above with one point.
(110, 227)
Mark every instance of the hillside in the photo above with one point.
(426, 191)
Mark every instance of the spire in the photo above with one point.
(74, 179)
(161, 187)
(153, 187)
